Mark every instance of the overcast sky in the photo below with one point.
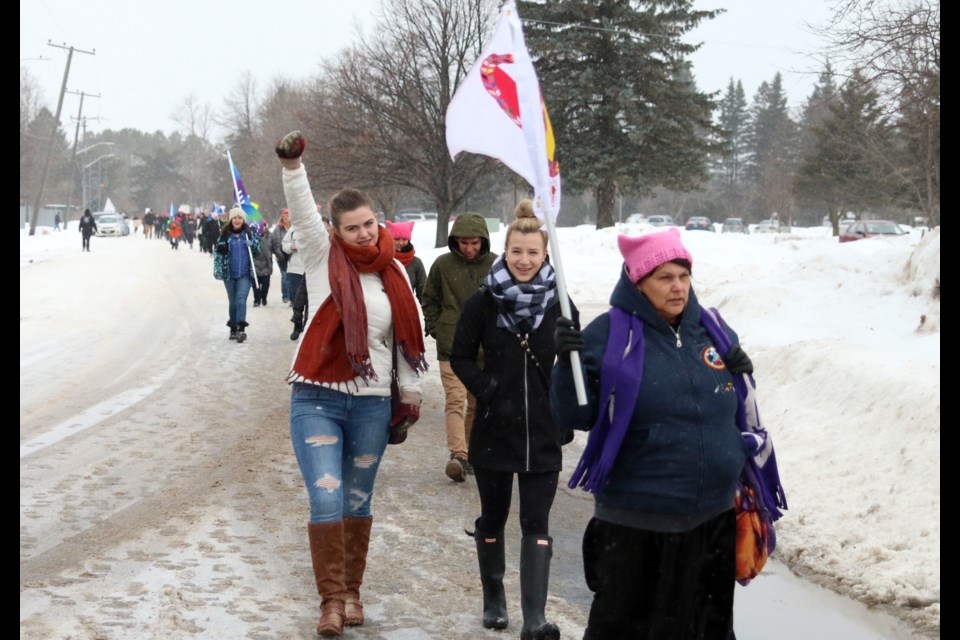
(151, 55)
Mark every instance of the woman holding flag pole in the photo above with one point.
(513, 319)
(498, 111)
(233, 263)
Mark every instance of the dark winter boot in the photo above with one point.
(535, 553)
(233, 329)
(242, 331)
(490, 555)
(297, 330)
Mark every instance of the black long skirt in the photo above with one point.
(650, 585)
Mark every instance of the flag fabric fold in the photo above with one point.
(488, 114)
(240, 194)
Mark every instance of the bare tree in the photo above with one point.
(380, 106)
(239, 111)
(896, 46)
(195, 118)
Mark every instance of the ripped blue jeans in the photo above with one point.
(339, 440)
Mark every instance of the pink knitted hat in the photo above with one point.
(643, 254)
(400, 229)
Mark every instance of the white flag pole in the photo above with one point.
(546, 202)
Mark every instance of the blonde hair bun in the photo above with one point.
(524, 209)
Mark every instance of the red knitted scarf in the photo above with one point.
(335, 346)
(405, 257)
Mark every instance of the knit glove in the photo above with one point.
(737, 361)
(290, 148)
(567, 338)
(404, 416)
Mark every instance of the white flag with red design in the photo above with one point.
(488, 113)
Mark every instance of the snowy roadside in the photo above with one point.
(181, 514)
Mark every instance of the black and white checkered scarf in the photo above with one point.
(521, 303)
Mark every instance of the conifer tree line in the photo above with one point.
(634, 132)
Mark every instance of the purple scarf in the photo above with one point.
(621, 373)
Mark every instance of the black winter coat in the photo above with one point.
(513, 429)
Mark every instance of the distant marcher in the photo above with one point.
(294, 264)
(453, 278)
(190, 230)
(402, 234)
(148, 221)
(232, 265)
(264, 266)
(57, 221)
(276, 247)
(209, 230)
(88, 227)
(174, 231)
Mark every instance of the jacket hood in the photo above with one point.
(469, 225)
(626, 296)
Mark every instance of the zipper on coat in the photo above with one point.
(526, 406)
(676, 333)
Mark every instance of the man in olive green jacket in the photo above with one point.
(453, 278)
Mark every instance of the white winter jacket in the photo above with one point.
(313, 247)
(290, 247)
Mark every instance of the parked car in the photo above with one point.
(735, 225)
(112, 224)
(661, 221)
(842, 223)
(869, 229)
(772, 226)
(699, 223)
(416, 217)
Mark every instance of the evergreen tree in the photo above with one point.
(816, 111)
(626, 113)
(734, 121)
(773, 151)
(852, 164)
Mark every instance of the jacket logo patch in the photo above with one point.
(712, 359)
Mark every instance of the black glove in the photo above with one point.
(223, 249)
(737, 361)
(567, 338)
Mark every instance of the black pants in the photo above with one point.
(86, 242)
(650, 585)
(260, 293)
(537, 491)
(301, 304)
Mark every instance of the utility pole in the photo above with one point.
(73, 158)
(35, 214)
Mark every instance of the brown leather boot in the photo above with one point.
(326, 554)
(356, 541)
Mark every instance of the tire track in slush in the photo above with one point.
(97, 413)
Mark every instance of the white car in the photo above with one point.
(661, 221)
(772, 226)
(112, 224)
